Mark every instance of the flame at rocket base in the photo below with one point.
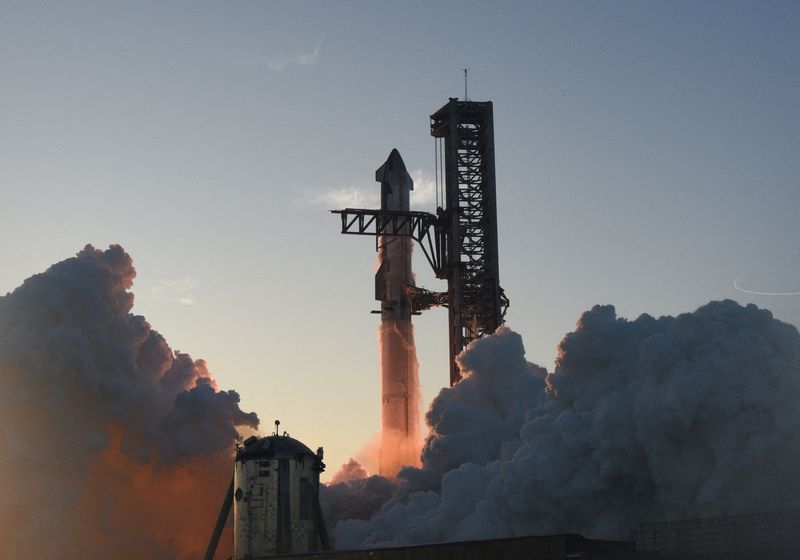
(400, 391)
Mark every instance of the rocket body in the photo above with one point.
(400, 394)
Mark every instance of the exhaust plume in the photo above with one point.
(113, 444)
(643, 420)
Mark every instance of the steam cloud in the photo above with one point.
(642, 420)
(116, 446)
(113, 444)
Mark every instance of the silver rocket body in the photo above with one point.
(399, 368)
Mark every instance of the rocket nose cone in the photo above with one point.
(396, 163)
(394, 171)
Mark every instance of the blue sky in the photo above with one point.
(647, 156)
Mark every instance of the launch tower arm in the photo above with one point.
(422, 299)
(423, 227)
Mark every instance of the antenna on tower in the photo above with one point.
(466, 97)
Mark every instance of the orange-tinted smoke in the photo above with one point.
(111, 444)
(155, 511)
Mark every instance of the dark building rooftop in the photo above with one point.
(273, 447)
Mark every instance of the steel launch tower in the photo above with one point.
(475, 300)
(460, 240)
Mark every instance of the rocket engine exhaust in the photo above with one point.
(400, 391)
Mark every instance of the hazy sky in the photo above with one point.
(647, 157)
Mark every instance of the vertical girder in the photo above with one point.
(476, 302)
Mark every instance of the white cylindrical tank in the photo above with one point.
(276, 498)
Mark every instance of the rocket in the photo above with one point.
(399, 368)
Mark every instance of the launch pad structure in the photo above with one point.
(460, 240)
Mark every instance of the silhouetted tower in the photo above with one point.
(475, 299)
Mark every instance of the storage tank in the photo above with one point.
(276, 498)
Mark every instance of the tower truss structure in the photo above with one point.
(476, 301)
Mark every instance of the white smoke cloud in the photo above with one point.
(349, 196)
(424, 194)
(355, 498)
(111, 441)
(296, 57)
(172, 291)
(641, 420)
(369, 196)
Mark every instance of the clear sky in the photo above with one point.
(647, 157)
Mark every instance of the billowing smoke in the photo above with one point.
(644, 420)
(351, 470)
(113, 445)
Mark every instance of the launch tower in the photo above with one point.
(460, 240)
(475, 300)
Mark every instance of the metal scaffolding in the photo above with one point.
(476, 302)
(420, 226)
